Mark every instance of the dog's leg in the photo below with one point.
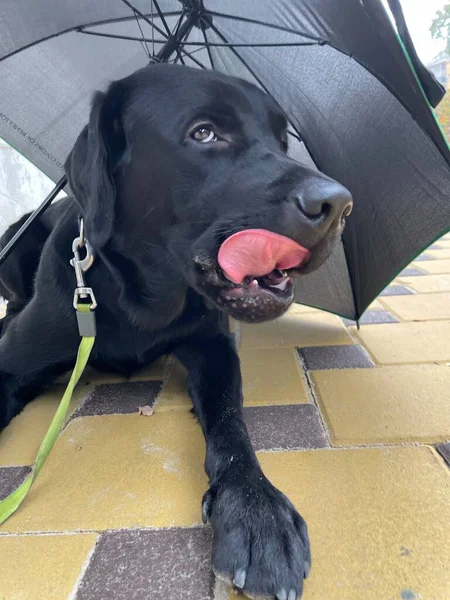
(260, 541)
(33, 347)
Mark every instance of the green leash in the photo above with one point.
(86, 327)
(12, 502)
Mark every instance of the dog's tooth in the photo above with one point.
(280, 286)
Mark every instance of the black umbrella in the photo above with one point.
(356, 95)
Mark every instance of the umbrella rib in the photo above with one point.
(167, 28)
(143, 41)
(250, 70)
(264, 24)
(208, 48)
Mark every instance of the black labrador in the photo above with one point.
(194, 212)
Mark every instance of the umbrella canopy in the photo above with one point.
(356, 95)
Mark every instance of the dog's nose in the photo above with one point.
(323, 202)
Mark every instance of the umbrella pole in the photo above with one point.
(163, 55)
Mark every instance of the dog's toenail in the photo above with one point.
(292, 595)
(307, 568)
(282, 595)
(239, 578)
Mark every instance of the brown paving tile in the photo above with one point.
(407, 342)
(291, 331)
(396, 290)
(285, 427)
(372, 317)
(10, 478)
(436, 267)
(444, 451)
(119, 398)
(420, 307)
(118, 471)
(171, 564)
(428, 284)
(42, 567)
(385, 405)
(20, 441)
(272, 377)
(336, 357)
(423, 258)
(378, 520)
(411, 272)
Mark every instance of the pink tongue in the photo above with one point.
(257, 252)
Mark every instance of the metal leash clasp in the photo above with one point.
(85, 314)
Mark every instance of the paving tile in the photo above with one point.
(420, 307)
(438, 267)
(440, 253)
(385, 405)
(444, 243)
(118, 471)
(20, 441)
(155, 371)
(396, 290)
(174, 394)
(292, 331)
(162, 565)
(411, 272)
(42, 567)
(428, 284)
(119, 398)
(10, 478)
(423, 258)
(444, 451)
(434, 247)
(371, 317)
(336, 357)
(378, 520)
(302, 309)
(272, 377)
(407, 342)
(285, 427)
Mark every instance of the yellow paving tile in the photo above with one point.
(386, 405)
(407, 342)
(114, 472)
(427, 284)
(378, 520)
(42, 567)
(272, 377)
(174, 395)
(301, 309)
(375, 304)
(292, 331)
(442, 253)
(419, 307)
(20, 441)
(435, 267)
(444, 244)
(153, 372)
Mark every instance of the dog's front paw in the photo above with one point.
(261, 543)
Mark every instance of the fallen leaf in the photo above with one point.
(146, 410)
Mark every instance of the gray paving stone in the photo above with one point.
(335, 357)
(287, 427)
(444, 451)
(373, 317)
(10, 478)
(396, 290)
(119, 398)
(423, 257)
(411, 272)
(168, 564)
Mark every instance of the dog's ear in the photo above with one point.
(91, 165)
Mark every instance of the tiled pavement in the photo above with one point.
(353, 425)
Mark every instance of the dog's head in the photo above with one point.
(195, 162)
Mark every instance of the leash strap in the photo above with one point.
(12, 502)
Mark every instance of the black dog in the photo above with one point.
(182, 179)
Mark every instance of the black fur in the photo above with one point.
(157, 205)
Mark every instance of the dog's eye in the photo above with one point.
(204, 134)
